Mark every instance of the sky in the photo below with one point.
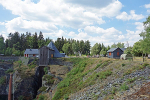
(99, 21)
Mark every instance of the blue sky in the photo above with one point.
(99, 21)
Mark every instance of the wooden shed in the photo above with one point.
(114, 53)
(45, 53)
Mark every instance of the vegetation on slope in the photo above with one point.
(91, 71)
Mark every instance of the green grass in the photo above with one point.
(124, 87)
(130, 80)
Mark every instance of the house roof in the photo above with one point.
(31, 51)
(123, 49)
(56, 52)
(113, 49)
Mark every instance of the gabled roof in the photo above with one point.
(123, 49)
(113, 49)
(31, 51)
(56, 52)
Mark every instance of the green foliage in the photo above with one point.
(41, 89)
(98, 65)
(119, 44)
(145, 64)
(10, 70)
(2, 80)
(49, 79)
(21, 97)
(66, 47)
(130, 80)
(41, 97)
(123, 65)
(113, 90)
(124, 87)
(46, 70)
(104, 74)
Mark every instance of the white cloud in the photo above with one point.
(147, 5)
(124, 16)
(2, 23)
(58, 12)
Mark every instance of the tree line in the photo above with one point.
(17, 43)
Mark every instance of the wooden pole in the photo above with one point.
(10, 87)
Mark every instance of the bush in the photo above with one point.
(2, 80)
(123, 65)
(42, 89)
(21, 97)
(145, 64)
(46, 70)
(10, 70)
(41, 97)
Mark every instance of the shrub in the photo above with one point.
(41, 97)
(2, 80)
(10, 70)
(124, 87)
(145, 64)
(46, 70)
(21, 97)
(123, 65)
(43, 88)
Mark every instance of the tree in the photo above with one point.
(145, 43)
(40, 40)
(96, 49)
(2, 45)
(87, 47)
(119, 44)
(103, 52)
(81, 46)
(137, 50)
(75, 48)
(66, 48)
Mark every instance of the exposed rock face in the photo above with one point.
(28, 87)
(4, 67)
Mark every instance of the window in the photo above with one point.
(109, 53)
(117, 53)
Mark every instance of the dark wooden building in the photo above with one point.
(45, 53)
(115, 52)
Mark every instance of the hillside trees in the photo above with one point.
(119, 44)
(145, 43)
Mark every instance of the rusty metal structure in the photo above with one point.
(10, 88)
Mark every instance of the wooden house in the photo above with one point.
(115, 52)
(45, 53)
(31, 53)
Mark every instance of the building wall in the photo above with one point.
(115, 54)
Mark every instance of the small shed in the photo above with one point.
(45, 53)
(31, 53)
(126, 56)
(114, 53)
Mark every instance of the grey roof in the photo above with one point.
(113, 49)
(31, 51)
(56, 52)
(123, 49)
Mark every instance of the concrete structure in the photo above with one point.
(115, 52)
(31, 53)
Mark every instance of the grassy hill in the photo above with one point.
(102, 78)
